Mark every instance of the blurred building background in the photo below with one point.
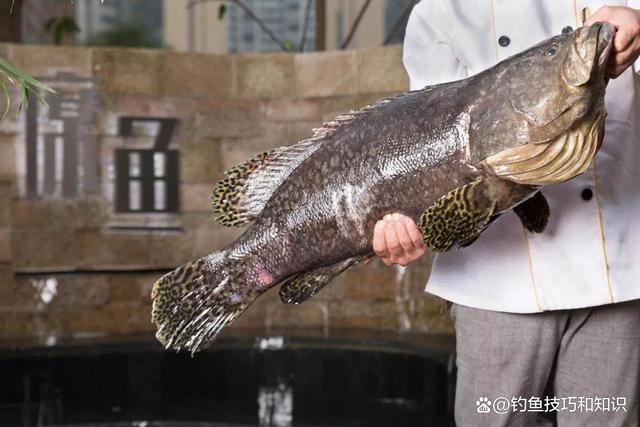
(95, 18)
(36, 14)
(211, 26)
(107, 187)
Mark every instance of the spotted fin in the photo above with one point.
(303, 286)
(457, 218)
(534, 213)
(242, 194)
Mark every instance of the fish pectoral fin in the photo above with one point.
(299, 288)
(534, 213)
(457, 218)
(242, 195)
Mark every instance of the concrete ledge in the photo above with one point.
(129, 71)
(264, 75)
(158, 72)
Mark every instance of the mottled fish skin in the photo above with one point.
(403, 157)
(406, 154)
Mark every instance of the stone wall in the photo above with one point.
(73, 266)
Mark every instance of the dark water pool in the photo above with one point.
(278, 380)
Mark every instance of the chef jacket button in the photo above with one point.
(504, 41)
(567, 29)
(587, 194)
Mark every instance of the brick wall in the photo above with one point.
(74, 266)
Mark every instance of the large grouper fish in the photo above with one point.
(452, 156)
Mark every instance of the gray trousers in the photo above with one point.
(590, 357)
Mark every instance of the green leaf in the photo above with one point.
(222, 10)
(60, 27)
(7, 99)
(26, 84)
(289, 45)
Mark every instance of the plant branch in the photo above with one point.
(355, 25)
(305, 25)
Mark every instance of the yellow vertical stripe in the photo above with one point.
(493, 26)
(533, 276)
(602, 241)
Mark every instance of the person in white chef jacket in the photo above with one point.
(561, 308)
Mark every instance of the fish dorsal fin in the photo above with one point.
(243, 193)
(240, 197)
(328, 128)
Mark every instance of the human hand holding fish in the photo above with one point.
(626, 41)
(451, 158)
(397, 240)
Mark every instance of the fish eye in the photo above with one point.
(551, 51)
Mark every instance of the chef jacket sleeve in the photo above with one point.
(428, 56)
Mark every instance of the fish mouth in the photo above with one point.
(603, 33)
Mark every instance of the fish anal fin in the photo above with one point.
(302, 286)
(534, 213)
(457, 218)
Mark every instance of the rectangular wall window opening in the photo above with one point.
(146, 180)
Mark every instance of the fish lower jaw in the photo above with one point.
(559, 160)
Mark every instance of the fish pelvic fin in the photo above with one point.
(299, 288)
(242, 195)
(534, 213)
(193, 303)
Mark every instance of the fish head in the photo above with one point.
(565, 78)
(588, 54)
(558, 107)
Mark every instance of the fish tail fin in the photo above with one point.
(193, 303)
